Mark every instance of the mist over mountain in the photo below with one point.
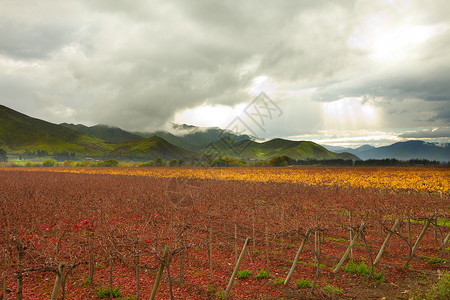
(21, 134)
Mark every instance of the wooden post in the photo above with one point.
(235, 243)
(138, 270)
(419, 239)
(111, 265)
(160, 272)
(210, 257)
(386, 241)
(19, 291)
(58, 281)
(316, 276)
(297, 256)
(445, 241)
(409, 230)
(4, 275)
(347, 252)
(91, 262)
(267, 247)
(254, 237)
(283, 246)
(350, 232)
(236, 268)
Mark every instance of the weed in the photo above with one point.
(104, 292)
(255, 251)
(220, 294)
(303, 283)
(434, 260)
(86, 281)
(334, 239)
(289, 246)
(333, 290)
(439, 290)
(362, 269)
(244, 274)
(278, 280)
(262, 274)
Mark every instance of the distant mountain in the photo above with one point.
(248, 149)
(104, 132)
(355, 151)
(19, 132)
(192, 137)
(409, 150)
(150, 149)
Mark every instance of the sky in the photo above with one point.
(342, 73)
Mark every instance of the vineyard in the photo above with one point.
(216, 233)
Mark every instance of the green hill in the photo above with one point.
(19, 132)
(247, 149)
(104, 132)
(191, 137)
(151, 148)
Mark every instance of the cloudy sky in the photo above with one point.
(340, 72)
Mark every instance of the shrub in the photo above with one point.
(333, 290)
(304, 283)
(262, 274)
(49, 163)
(104, 292)
(149, 163)
(244, 274)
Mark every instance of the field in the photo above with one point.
(96, 228)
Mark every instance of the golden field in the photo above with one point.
(421, 179)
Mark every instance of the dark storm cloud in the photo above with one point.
(443, 132)
(135, 64)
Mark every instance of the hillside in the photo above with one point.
(192, 137)
(150, 149)
(247, 149)
(107, 133)
(19, 132)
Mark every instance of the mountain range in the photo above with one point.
(21, 134)
(400, 150)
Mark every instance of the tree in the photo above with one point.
(173, 163)
(159, 162)
(3, 157)
(109, 163)
(279, 161)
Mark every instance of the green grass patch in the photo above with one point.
(262, 274)
(244, 274)
(333, 290)
(303, 283)
(334, 239)
(278, 280)
(105, 292)
(439, 290)
(362, 269)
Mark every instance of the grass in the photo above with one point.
(303, 283)
(362, 269)
(278, 280)
(244, 274)
(439, 290)
(333, 290)
(263, 274)
(104, 292)
(334, 239)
